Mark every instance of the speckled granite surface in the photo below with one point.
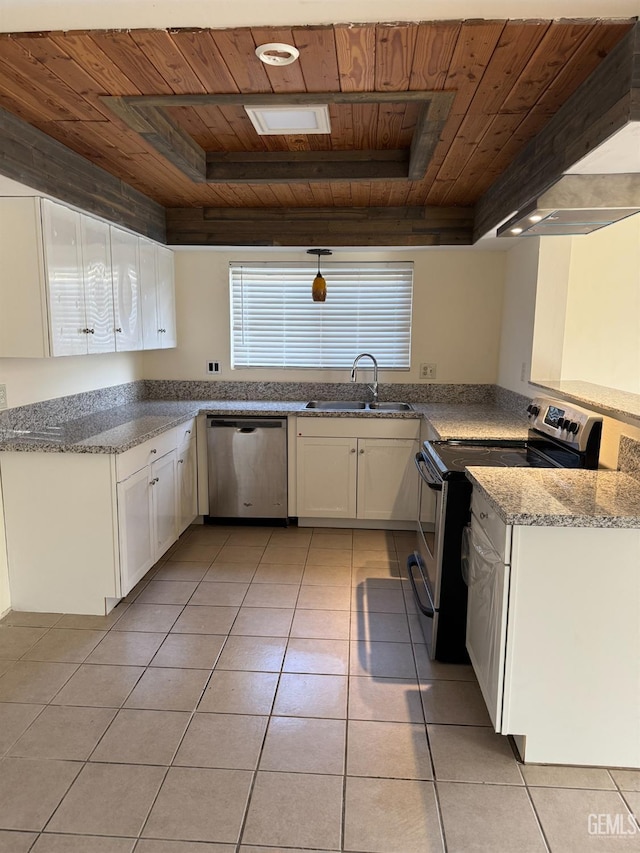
(474, 421)
(617, 404)
(629, 456)
(553, 497)
(160, 389)
(112, 420)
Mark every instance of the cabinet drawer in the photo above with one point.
(185, 432)
(494, 527)
(130, 461)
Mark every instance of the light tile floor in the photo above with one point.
(268, 689)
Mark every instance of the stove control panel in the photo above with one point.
(563, 420)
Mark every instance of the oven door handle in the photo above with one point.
(423, 470)
(411, 562)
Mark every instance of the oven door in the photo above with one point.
(430, 525)
(422, 565)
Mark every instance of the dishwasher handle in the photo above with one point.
(245, 425)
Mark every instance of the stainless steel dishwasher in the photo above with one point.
(247, 461)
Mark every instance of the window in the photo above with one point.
(274, 322)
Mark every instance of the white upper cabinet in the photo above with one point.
(158, 296)
(166, 297)
(72, 284)
(98, 289)
(65, 279)
(125, 264)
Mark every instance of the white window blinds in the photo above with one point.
(274, 322)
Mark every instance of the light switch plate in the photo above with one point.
(3, 396)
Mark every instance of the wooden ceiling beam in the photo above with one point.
(32, 158)
(278, 167)
(320, 226)
(159, 130)
(608, 100)
(426, 136)
(275, 99)
(148, 116)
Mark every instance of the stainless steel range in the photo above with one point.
(561, 435)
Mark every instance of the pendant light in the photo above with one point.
(319, 286)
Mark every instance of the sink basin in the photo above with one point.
(391, 407)
(335, 405)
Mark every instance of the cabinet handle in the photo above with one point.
(89, 331)
(353, 450)
(154, 481)
(361, 452)
(180, 461)
(162, 330)
(153, 450)
(484, 515)
(119, 329)
(188, 432)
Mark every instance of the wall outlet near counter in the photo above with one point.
(524, 372)
(428, 371)
(213, 367)
(3, 396)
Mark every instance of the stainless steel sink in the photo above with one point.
(349, 405)
(335, 405)
(391, 407)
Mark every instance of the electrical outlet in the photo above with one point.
(524, 372)
(3, 396)
(213, 367)
(428, 371)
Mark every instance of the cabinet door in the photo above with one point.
(187, 485)
(135, 528)
(166, 297)
(98, 285)
(164, 503)
(126, 290)
(63, 260)
(387, 479)
(326, 477)
(149, 294)
(488, 581)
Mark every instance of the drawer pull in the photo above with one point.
(484, 515)
(153, 450)
(180, 461)
(188, 432)
(154, 481)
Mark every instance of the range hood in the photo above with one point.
(577, 204)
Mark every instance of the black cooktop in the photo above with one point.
(452, 457)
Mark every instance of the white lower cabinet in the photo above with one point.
(357, 468)
(135, 528)
(553, 627)
(327, 474)
(187, 485)
(119, 514)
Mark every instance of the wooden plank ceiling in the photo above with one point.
(508, 78)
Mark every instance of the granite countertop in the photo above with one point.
(117, 430)
(456, 420)
(554, 497)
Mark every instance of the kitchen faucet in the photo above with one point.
(354, 373)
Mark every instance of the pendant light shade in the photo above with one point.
(319, 286)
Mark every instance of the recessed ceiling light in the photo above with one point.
(516, 230)
(277, 53)
(535, 218)
(286, 120)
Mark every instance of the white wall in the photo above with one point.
(516, 333)
(30, 380)
(602, 328)
(456, 316)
